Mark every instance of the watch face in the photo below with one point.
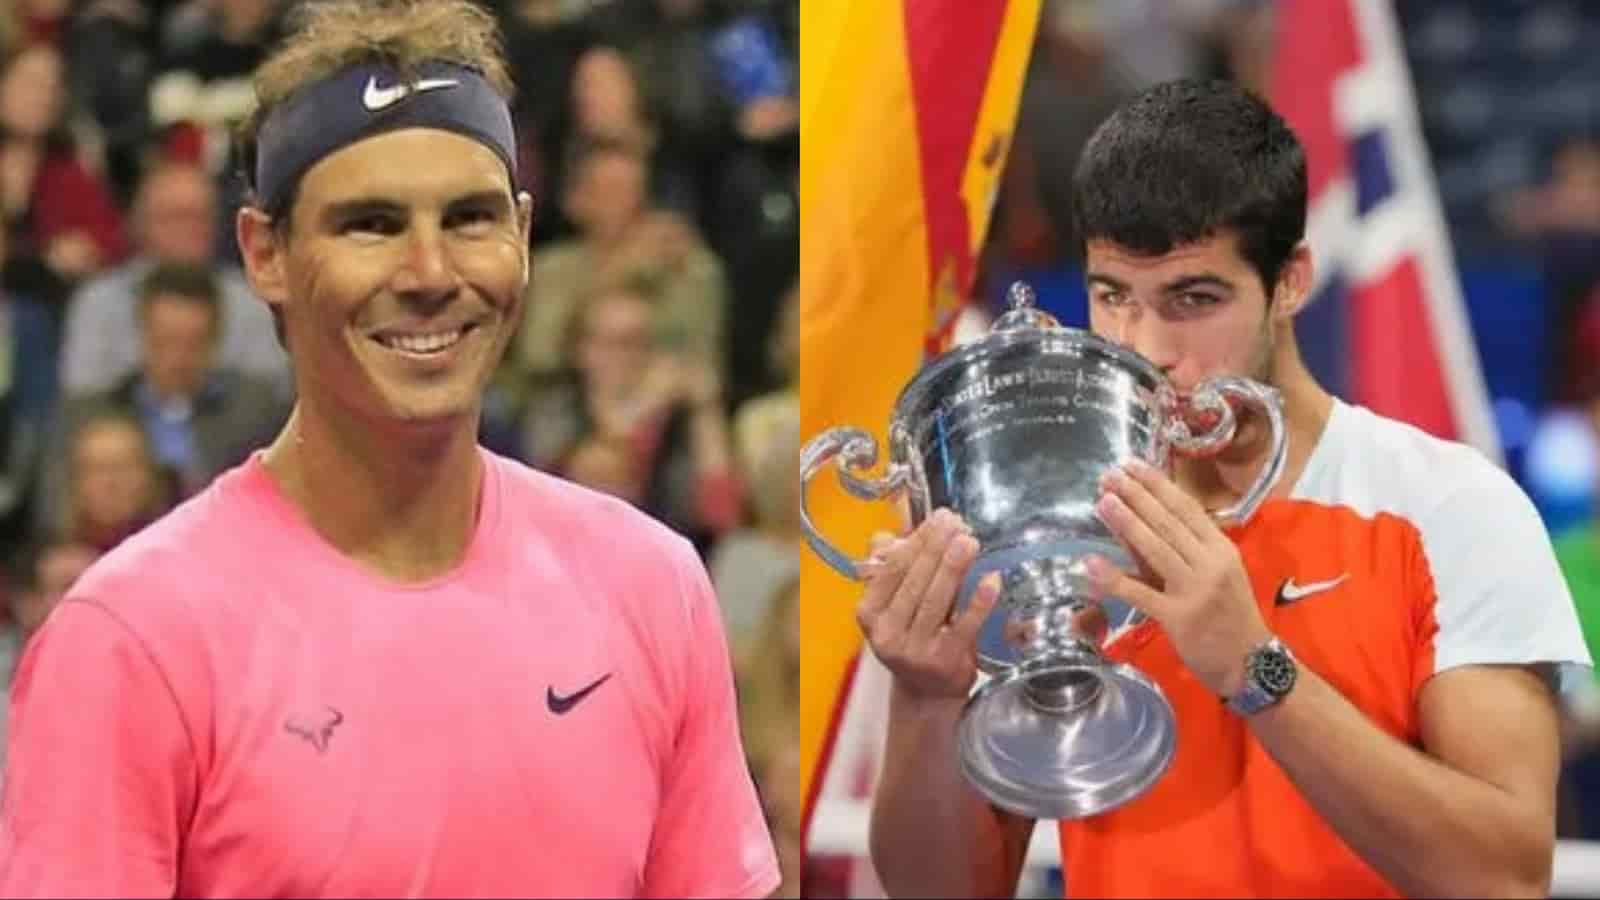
(1274, 671)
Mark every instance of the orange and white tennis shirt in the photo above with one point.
(1395, 557)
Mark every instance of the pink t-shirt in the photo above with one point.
(226, 707)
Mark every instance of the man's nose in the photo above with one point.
(1148, 335)
(428, 269)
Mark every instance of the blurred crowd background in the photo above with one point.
(657, 359)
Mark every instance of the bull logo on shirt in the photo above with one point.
(316, 729)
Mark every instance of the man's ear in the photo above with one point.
(1293, 290)
(525, 214)
(262, 250)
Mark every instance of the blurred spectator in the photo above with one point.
(668, 43)
(637, 418)
(748, 564)
(174, 222)
(606, 105)
(198, 418)
(201, 90)
(42, 21)
(769, 666)
(62, 219)
(543, 44)
(1561, 468)
(779, 778)
(1562, 218)
(111, 58)
(760, 417)
(609, 106)
(53, 569)
(208, 52)
(115, 487)
(29, 335)
(622, 240)
(755, 72)
(1578, 552)
(755, 226)
(769, 714)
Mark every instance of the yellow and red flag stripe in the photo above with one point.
(907, 112)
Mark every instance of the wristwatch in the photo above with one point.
(1269, 675)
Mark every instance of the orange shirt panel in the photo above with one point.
(1225, 820)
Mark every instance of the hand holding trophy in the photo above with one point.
(1012, 434)
(905, 611)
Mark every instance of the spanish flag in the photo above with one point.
(907, 111)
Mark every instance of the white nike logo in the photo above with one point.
(376, 98)
(1290, 592)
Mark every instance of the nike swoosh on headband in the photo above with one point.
(376, 98)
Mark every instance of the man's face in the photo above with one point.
(177, 216)
(1195, 312)
(615, 342)
(604, 96)
(113, 480)
(33, 91)
(180, 338)
(609, 194)
(401, 279)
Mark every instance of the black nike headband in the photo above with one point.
(363, 100)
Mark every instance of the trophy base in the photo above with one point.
(1066, 738)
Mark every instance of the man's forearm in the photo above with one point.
(933, 835)
(1429, 829)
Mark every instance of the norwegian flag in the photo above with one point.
(1388, 327)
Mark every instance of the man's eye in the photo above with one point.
(1197, 300)
(376, 224)
(1111, 298)
(471, 218)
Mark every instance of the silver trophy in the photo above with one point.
(1013, 432)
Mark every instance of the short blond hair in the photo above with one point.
(328, 36)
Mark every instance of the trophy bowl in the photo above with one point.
(1013, 433)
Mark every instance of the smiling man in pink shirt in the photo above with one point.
(377, 660)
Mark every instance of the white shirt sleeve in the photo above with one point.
(1499, 596)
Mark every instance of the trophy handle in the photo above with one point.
(1212, 397)
(854, 449)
